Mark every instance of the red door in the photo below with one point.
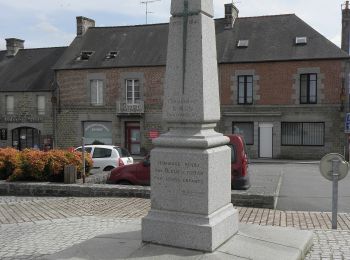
(133, 139)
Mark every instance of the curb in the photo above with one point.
(248, 198)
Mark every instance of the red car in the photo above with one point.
(139, 173)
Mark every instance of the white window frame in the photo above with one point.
(41, 104)
(10, 105)
(99, 92)
(133, 98)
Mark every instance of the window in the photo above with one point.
(308, 88)
(102, 153)
(87, 149)
(301, 40)
(85, 55)
(111, 55)
(41, 105)
(132, 91)
(242, 43)
(96, 88)
(124, 153)
(304, 134)
(246, 129)
(10, 105)
(245, 89)
(96, 132)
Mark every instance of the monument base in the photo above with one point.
(193, 231)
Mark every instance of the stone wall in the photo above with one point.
(25, 114)
(75, 107)
(276, 100)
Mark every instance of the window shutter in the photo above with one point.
(41, 105)
(10, 105)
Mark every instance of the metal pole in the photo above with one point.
(335, 174)
(83, 158)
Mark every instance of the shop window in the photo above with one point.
(246, 129)
(302, 134)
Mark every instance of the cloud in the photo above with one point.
(55, 17)
(47, 27)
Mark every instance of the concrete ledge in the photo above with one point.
(257, 196)
(71, 190)
(251, 242)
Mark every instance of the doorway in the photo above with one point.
(133, 137)
(25, 137)
(265, 140)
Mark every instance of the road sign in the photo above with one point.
(326, 166)
(334, 168)
(347, 123)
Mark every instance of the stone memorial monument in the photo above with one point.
(190, 165)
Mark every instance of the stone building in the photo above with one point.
(281, 85)
(26, 83)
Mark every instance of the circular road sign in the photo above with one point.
(326, 166)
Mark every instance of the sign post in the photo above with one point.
(347, 131)
(83, 158)
(334, 168)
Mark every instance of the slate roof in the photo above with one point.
(271, 38)
(29, 70)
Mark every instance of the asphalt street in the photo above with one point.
(303, 188)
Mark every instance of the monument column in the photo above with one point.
(190, 165)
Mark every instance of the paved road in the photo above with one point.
(304, 189)
(31, 227)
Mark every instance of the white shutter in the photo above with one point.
(10, 105)
(41, 105)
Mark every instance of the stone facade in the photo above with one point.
(276, 99)
(75, 108)
(25, 115)
(276, 92)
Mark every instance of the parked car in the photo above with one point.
(239, 163)
(107, 157)
(139, 173)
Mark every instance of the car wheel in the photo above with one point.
(124, 183)
(108, 168)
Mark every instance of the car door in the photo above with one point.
(143, 171)
(101, 157)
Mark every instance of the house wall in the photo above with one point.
(276, 100)
(75, 107)
(26, 115)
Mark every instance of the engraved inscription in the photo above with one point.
(188, 177)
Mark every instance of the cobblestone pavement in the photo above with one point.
(34, 226)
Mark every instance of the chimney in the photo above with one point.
(345, 36)
(13, 45)
(231, 14)
(83, 24)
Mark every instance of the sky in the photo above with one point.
(51, 23)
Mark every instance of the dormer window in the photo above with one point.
(111, 55)
(301, 40)
(242, 43)
(85, 55)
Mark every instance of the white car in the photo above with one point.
(107, 157)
